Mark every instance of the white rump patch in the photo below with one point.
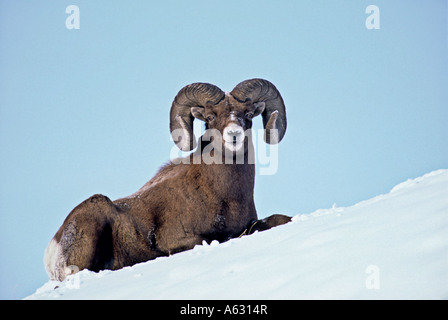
(52, 259)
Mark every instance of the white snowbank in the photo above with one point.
(393, 246)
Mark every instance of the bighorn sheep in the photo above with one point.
(183, 204)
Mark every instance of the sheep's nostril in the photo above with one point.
(235, 136)
(234, 133)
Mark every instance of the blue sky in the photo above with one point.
(86, 111)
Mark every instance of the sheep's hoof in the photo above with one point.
(268, 223)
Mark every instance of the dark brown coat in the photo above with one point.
(182, 206)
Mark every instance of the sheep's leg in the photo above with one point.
(268, 223)
(132, 242)
(84, 241)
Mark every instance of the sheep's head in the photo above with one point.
(230, 113)
(228, 120)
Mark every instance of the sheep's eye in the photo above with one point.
(249, 115)
(210, 118)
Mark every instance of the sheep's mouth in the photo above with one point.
(233, 137)
(233, 143)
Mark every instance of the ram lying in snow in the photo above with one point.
(186, 202)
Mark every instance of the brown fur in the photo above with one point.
(183, 205)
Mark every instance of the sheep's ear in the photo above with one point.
(259, 108)
(198, 113)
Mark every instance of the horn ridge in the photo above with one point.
(260, 90)
(192, 95)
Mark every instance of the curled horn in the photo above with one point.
(192, 95)
(274, 114)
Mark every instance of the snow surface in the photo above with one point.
(393, 246)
